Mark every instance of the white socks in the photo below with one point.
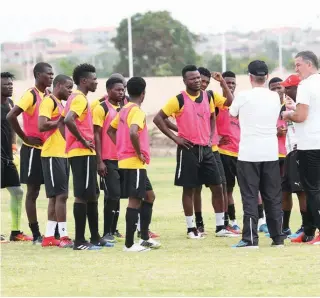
(261, 222)
(190, 222)
(220, 219)
(51, 227)
(138, 224)
(234, 222)
(62, 229)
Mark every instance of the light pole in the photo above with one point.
(223, 54)
(130, 56)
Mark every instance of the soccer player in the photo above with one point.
(129, 132)
(258, 165)
(107, 157)
(275, 85)
(9, 173)
(54, 161)
(229, 137)
(30, 161)
(220, 102)
(194, 111)
(307, 124)
(82, 158)
(291, 179)
(98, 101)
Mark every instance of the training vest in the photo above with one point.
(85, 127)
(108, 148)
(49, 133)
(194, 120)
(230, 127)
(30, 122)
(124, 146)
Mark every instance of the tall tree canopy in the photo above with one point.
(161, 45)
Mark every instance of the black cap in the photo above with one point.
(258, 68)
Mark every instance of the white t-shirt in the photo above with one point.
(291, 139)
(308, 132)
(258, 110)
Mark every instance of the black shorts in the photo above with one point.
(281, 165)
(30, 165)
(196, 166)
(134, 183)
(110, 184)
(291, 177)
(148, 184)
(56, 175)
(84, 172)
(230, 170)
(9, 174)
(220, 166)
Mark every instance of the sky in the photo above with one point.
(205, 16)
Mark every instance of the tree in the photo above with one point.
(161, 45)
(105, 62)
(65, 65)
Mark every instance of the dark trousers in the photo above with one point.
(309, 168)
(263, 176)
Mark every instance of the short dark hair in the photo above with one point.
(228, 74)
(112, 81)
(81, 71)
(205, 72)
(39, 68)
(188, 68)
(275, 80)
(136, 85)
(61, 78)
(309, 56)
(7, 75)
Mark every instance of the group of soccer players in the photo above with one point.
(109, 137)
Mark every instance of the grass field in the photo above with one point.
(182, 267)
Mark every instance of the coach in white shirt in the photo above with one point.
(258, 161)
(307, 119)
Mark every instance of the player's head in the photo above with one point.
(136, 87)
(230, 78)
(6, 84)
(115, 89)
(205, 77)
(275, 85)
(43, 74)
(119, 76)
(258, 72)
(62, 86)
(291, 85)
(306, 64)
(191, 77)
(84, 75)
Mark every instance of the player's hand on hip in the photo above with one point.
(88, 144)
(33, 141)
(183, 143)
(142, 158)
(224, 140)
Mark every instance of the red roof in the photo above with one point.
(97, 29)
(49, 31)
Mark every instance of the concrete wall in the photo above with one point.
(159, 90)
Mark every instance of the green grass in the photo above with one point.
(182, 267)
